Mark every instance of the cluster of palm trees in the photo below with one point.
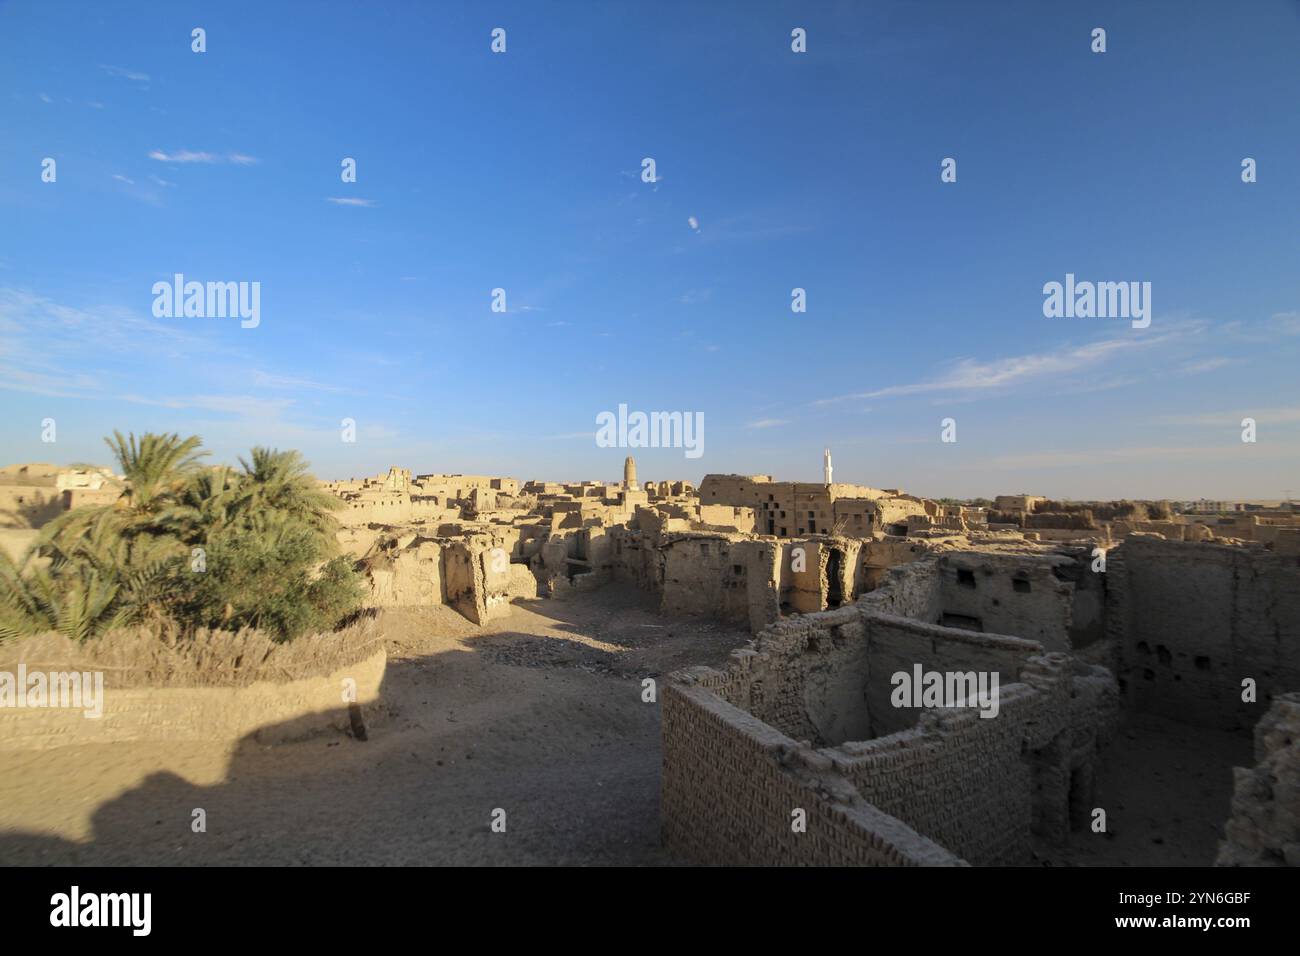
(185, 546)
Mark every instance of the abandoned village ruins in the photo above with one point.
(1084, 619)
(1082, 615)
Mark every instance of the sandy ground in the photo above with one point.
(539, 714)
(1166, 788)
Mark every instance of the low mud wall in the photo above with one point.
(215, 687)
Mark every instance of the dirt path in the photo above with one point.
(539, 714)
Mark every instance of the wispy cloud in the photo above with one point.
(768, 423)
(349, 201)
(974, 376)
(271, 380)
(196, 156)
(244, 406)
(131, 75)
(1288, 323)
(184, 156)
(1208, 365)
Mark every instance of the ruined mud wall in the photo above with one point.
(216, 687)
(731, 785)
(719, 577)
(908, 590)
(981, 787)
(1264, 827)
(411, 575)
(1192, 620)
(898, 644)
(634, 558)
(1007, 594)
(961, 779)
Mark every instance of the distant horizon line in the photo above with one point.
(697, 482)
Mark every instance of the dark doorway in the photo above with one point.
(834, 569)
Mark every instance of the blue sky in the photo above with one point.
(522, 171)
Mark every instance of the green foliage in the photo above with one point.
(188, 546)
(261, 577)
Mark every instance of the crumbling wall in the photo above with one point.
(214, 686)
(462, 581)
(1007, 594)
(405, 575)
(733, 787)
(898, 644)
(980, 787)
(879, 555)
(1193, 620)
(963, 780)
(1264, 826)
(802, 581)
(908, 590)
(711, 575)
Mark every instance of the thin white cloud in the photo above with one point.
(271, 380)
(971, 375)
(1288, 323)
(1209, 365)
(768, 423)
(245, 406)
(184, 156)
(131, 75)
(124, 179)
(198, 156)
(348, 201)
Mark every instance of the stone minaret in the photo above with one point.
(826, 465)
(629, 474)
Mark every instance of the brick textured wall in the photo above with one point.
(804, 715)
(1264, 828)
(1192, 620)
(731, 785)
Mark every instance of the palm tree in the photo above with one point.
(156, 468)
(280, 481)
(96, 580)
(207, 503)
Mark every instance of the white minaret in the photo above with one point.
(826, 466)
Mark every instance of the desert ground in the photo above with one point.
(1166, 789)
(539, 714)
